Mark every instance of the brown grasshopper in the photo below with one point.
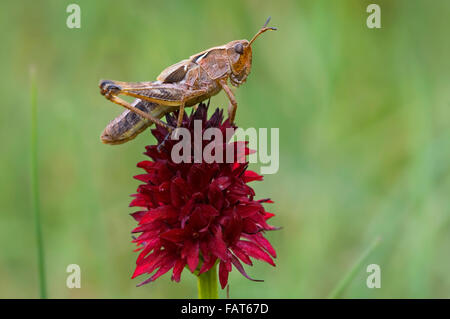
(183, 84)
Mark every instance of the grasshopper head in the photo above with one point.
(240, 55)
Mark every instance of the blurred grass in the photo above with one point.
(342, 285)
(35, 186)
(364, 123)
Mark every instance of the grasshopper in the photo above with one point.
(181, 85)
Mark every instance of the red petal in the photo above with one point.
(177, 270)
(178, 192)
(208, 210)
(175, 235)
(222, 183)
(250, 176)
(215, 196)
(147, 165)
(163, 212)
(266, 200)
(264, 243)
(145, 177)
(268, 215)
(141, 201)
(233, 229)
(239, 267)
(190, 250)
(199, 176)
(207, 264)
(249, 226)
(217, 246)
(223, 274)
(138, 215)
(161, 271)
(254, 251)
(149, 246)
(155, 226)
(149, 264)
(248, 210)
(242, 255)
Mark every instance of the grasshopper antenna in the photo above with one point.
(262, 30)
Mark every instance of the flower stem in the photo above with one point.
(35, 189)
(207, 284)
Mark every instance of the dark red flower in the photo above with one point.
(197, 214)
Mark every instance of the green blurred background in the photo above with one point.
(364, 118)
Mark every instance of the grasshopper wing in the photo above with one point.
(175, 73)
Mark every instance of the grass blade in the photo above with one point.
(343, 284)
(35, 188)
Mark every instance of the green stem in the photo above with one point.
(343, 284)
(35, 189)
(207, 284)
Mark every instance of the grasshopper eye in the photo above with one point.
(239, 48)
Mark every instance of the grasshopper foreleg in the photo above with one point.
(179, 120)
(233, 104)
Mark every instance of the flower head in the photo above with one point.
(198, 214)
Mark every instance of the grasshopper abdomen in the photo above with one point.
(127, 125)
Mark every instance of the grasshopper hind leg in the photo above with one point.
(110, 92)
